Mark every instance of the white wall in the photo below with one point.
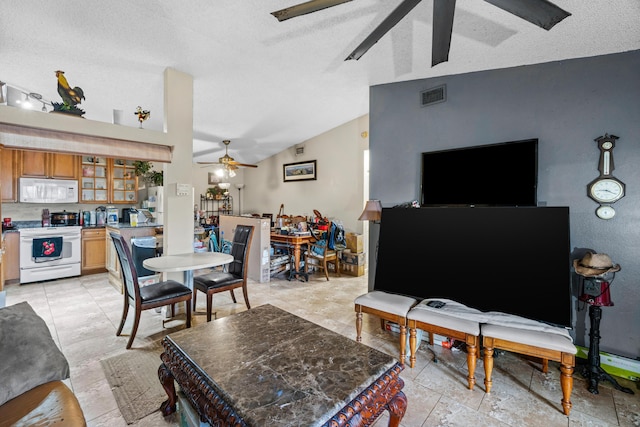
(337, 193)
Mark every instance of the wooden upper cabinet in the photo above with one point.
(39, 164)
(108, 181)
(9, 174)
(124, 183)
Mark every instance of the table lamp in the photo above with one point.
(372, 211)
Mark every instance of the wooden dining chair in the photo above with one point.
(168, 292)
(319, 255)
(235, 275)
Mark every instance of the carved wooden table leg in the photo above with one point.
(166, 379)
(397, 407)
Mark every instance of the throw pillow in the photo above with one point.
(28, 355)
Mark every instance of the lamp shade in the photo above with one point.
(224, 185)
(372, 211)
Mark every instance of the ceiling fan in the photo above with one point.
(539, 12)
(227, 161)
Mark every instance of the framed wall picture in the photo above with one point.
(213, 178)
(299, 171)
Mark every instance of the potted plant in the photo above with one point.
(215, 193)
(145, 171)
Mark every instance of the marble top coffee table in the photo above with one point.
(268, 367)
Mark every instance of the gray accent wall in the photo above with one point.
(566, 105)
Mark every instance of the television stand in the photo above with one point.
(593, 371)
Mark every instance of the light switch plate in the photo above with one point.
(182, 189)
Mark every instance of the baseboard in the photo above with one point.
(615, 365)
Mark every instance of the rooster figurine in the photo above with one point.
(70, 96)
(142, 115)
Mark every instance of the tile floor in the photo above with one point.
(83, 314)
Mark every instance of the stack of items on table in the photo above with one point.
(352, 259)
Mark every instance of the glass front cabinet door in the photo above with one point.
(94, 180)
(108, 180)
(124, 182)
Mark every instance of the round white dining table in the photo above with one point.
(187, 263)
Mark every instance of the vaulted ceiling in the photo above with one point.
(268, 85)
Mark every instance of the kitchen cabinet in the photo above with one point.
(94, 180)
(106, 180)
(93, 250)
(40, 164)
(9, 174)
(11, 259)
(124, 182)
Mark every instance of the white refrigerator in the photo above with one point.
(155, 203)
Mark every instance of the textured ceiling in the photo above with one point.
(268, 85)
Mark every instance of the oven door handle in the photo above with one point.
(66, 238)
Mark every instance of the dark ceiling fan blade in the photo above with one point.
(542, 13)
(384, 27)
(443, 11)
(304, 8)
(246, 165)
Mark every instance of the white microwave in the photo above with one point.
(39, 190)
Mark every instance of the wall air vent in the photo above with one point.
(433, 95)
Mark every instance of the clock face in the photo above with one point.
(605, 212)
(607, 145)
(606, 191)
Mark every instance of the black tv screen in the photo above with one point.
(506, 259)
(503, 174)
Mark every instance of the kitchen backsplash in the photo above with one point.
(33, 212)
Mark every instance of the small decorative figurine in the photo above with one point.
(142, 115)
(70, 97)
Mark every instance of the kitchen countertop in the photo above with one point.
(121, 225)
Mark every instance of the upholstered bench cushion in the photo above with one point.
(560, 341)
(388, 303)
(426, 314)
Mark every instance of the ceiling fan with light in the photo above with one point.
(539, 12)
(227, 161)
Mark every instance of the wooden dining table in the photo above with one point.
(295, 241)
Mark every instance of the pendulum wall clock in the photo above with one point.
(606, 189)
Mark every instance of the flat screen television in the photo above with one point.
(504, 174)
(506, 259)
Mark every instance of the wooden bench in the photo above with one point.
(386, 306)
(433, 321)
(545, 345)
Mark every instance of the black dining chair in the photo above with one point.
(235, 275)
(168, 292)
